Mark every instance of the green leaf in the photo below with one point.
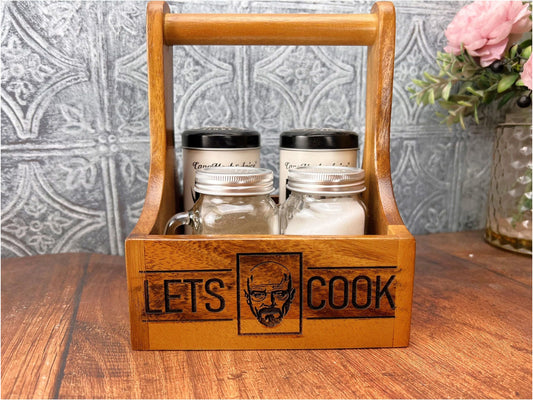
(476, 117)
(423, 97)
(505, 99)
(479, 93)
(526, 53)
(446, 91)
(431, 97)
(492, 88)
(430, 77)
(469, 60)
(420, 83)
(525, 43)
(506, 82)
(462, 121)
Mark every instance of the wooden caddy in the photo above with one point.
(197, 292)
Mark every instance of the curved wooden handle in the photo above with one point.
(270, 29)
(375, 30)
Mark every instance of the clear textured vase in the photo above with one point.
(509, 203)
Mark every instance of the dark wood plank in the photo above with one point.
(39, 299)
(470, 246)
(100, 362)
(471, 325)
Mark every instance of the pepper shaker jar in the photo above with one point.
(216, 147)
(233, 200)
(324, 200)
(315, 147)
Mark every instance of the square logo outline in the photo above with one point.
(300, 295)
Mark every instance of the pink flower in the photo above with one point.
(484, 29)
(527, 73)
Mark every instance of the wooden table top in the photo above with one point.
(65, 334)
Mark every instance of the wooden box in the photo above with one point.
(194, 292)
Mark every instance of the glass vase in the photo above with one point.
(509, 202)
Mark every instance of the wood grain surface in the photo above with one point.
(169, 283)
(65, 334)
(270, 29)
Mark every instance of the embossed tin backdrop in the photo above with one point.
(75, 121)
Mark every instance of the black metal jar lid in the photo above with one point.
(220, 138)
(319, 139)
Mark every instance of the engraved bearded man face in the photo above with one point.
(270, 292)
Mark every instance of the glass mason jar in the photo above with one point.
(232, 200)
(324, 200)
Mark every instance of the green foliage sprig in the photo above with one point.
(462, 85)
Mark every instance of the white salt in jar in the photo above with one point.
(324, 201)
(216, 147)
(315, 147)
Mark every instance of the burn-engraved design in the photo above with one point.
(269, 292)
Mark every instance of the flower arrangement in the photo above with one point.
(487, 59)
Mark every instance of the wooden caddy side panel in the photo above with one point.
(271, 292)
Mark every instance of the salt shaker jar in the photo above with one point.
(315, 147)
(216, 147)
(233, 200)
(324, 200)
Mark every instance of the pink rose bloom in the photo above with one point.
(527, 73)
(484, 29)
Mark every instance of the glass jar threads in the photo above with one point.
(315, 147)
(233, 200)
(324, 200)
(216, 147)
